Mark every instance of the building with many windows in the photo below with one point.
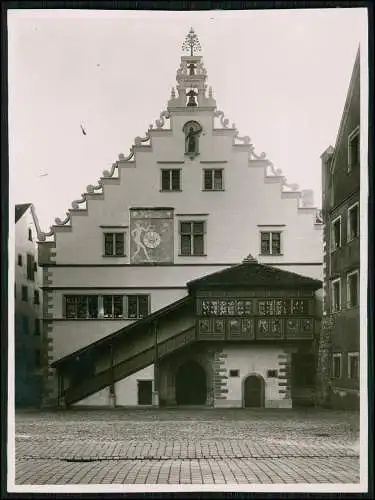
(28, 309)
(341, 198)
(192, 199)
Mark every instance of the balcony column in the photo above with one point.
(155, 395)
(112, 395)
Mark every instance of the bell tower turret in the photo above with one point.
(191, 78)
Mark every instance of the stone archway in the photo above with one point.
(253, 391)
(191, 384)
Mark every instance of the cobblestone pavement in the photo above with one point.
(186, 446)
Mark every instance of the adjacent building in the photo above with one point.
(28, 309)
(341, 209)
(192, 199)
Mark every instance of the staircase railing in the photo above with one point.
(129, 366)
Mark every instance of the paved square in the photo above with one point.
(186, 446)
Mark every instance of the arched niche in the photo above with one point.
(192, 131)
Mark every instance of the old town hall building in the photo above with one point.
(189, 274)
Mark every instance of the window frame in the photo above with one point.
(138, 295)
(24, 293)
(271, 233)
(336, 355)
(171, 170)
(212, 171)
(36, 299)
(353, 134)
(348, 238)
(101, 306)
(348, 302)
(192, 236)
(333, 282)
(353, 355)
(334, 221)
(87, 311)
(114, 233)
(30, 273)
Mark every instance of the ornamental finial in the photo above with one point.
(191, 43)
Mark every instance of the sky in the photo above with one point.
(281, 76)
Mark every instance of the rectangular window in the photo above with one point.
(114, 244)
(19, 259)
(171, 180)
(336, 234)
(352, 285)
(30, 267)
(270, 243)
(353, 365)
(336, 365)
(81, 306)
(192, 238)
(353, 221)
(38, 358)
(336, 295)
(138, 306)
(271, 373)
(25, 325)
(113, 306)
(36, 297)
(353, 150)
(213, 179)
(30, 235)
(25, 293)
(37, 327)
(234, 373)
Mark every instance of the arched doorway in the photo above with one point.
(253, 392)
(191, 384)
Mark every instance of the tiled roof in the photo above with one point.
(252, 274)
(20, 210)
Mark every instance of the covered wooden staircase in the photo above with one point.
(128, 350)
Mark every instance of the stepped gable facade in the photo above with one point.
(191, 198)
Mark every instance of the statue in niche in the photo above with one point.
(192, 132)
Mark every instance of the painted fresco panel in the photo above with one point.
(151, 236)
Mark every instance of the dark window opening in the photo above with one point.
(336, 366)
(30, 236)
(25, 293)
(192, 238)
(271, 373)
(336, 234)
(171, 180)
(354, 152)
(19, 259)
(234, 373)
(353, 365)
(353, 222)
(30, 267)
(353, 290)
(270, 243)
(138, 306)
(81, 306)
(36, 297)
(114, 244)
(113, 306)
(213, 179)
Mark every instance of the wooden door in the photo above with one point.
(254, 392)
(144, 392)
